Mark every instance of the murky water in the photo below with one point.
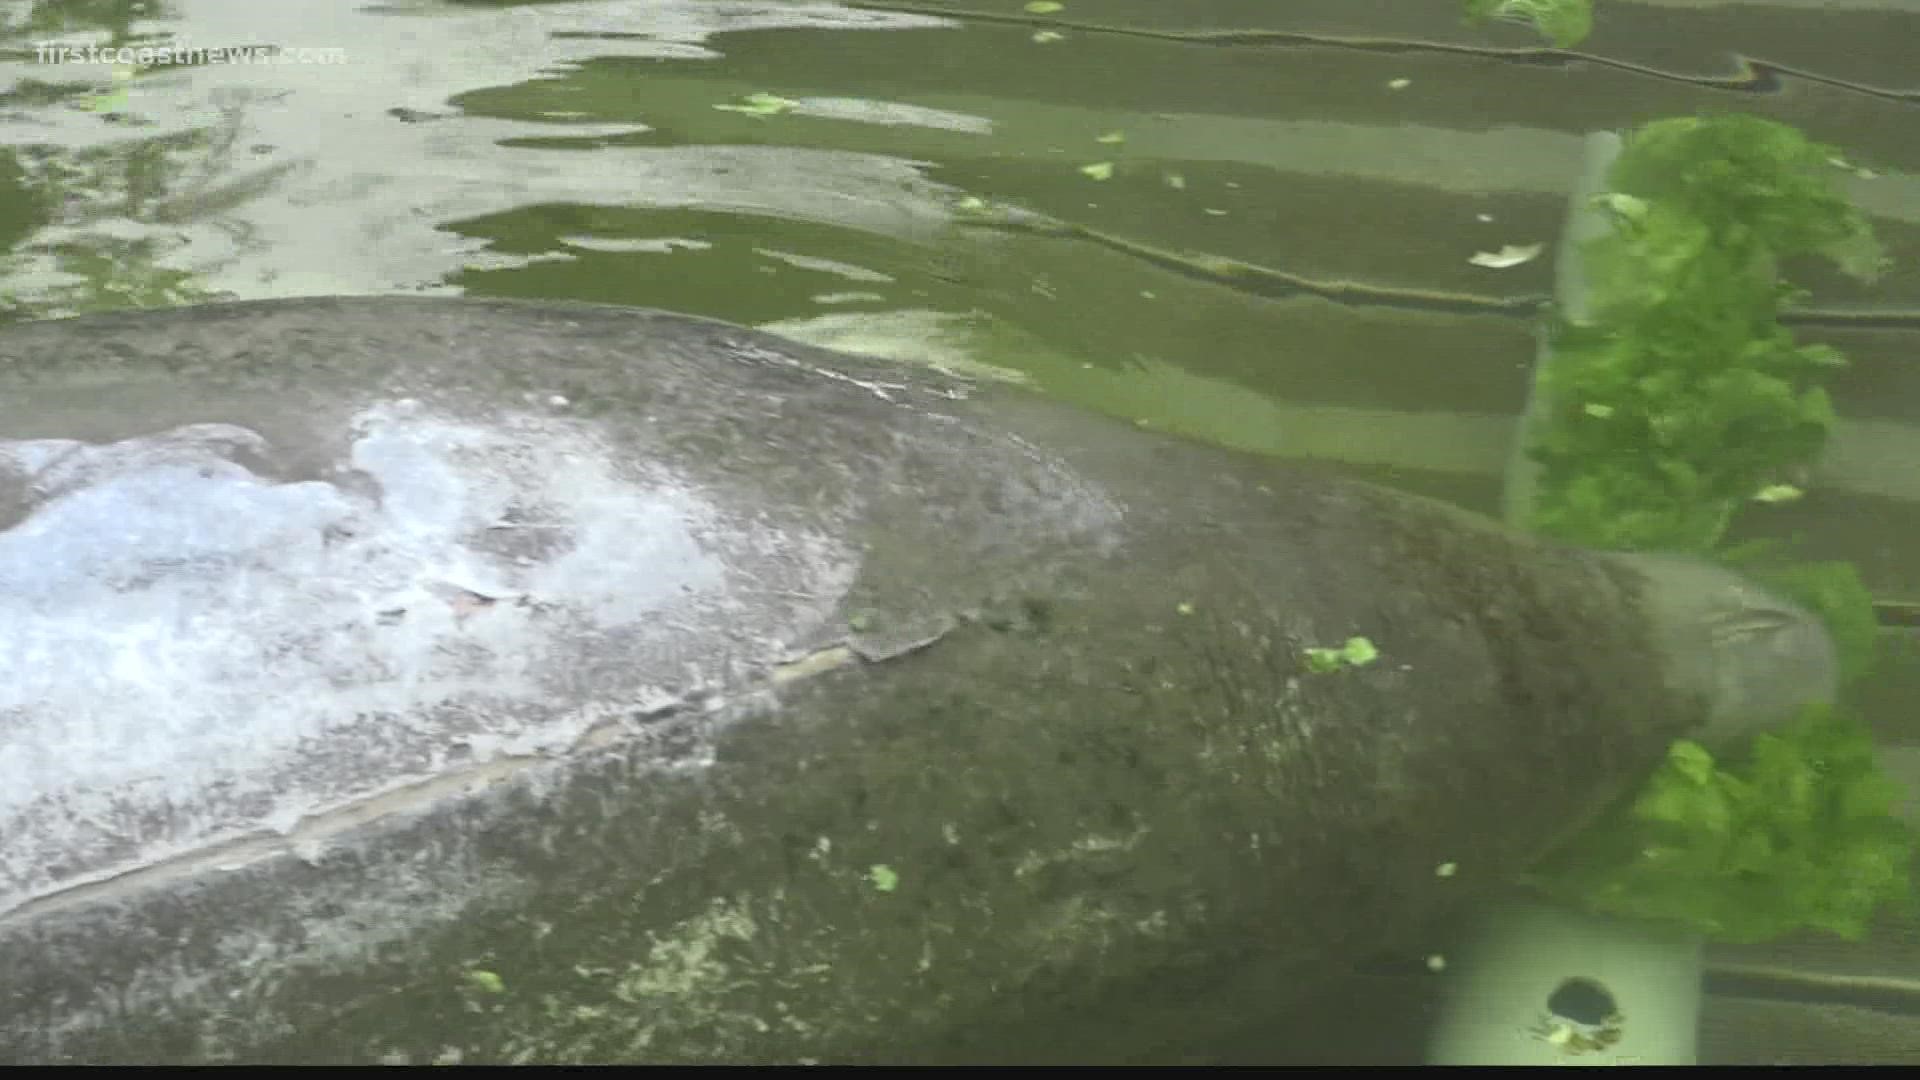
(1248, 221)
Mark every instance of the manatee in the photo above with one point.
(403, 679)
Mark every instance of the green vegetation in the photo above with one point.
(1681, 400)
(761, 105)
(1566, 23)
(1684, 397)
(1356, 652)
(1832, 590)
(1799, 834)
(883, 877)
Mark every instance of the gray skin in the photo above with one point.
(416, 679)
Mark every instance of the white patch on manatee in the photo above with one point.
(192, 651)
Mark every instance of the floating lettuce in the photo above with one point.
(1799, 833)
(1752, 183)
(1357, 652)
(1683, 397)
(1566, 23)
(1675, 405)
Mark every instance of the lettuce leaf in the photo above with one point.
(1566, 23)
(1798, 833)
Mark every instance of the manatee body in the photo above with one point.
(425, 679)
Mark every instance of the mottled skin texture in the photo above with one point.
(1085, 749)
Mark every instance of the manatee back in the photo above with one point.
(389, 627)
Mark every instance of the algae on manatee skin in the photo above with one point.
(702, 975)
(686, 960)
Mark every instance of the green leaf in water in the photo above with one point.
(1356, 652)
(761, 105)
(1797, 833)
(1566, 23)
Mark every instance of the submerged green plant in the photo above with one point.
(1682, 397)
(1799, 833)
(1680, 400)
(1753, 183)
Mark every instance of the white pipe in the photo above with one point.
(1542, 985)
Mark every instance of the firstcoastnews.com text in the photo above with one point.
(158, 55)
